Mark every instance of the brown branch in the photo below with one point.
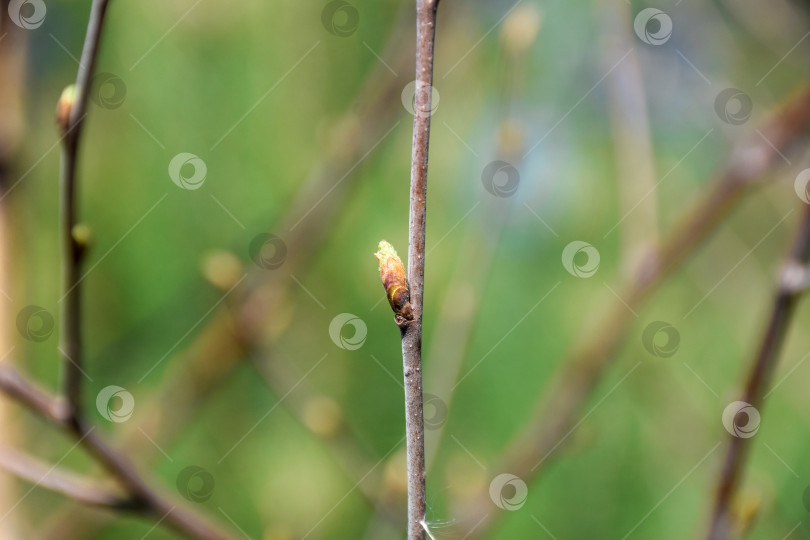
(141, 496)
(70, 312)
(64, 482)
(792, 284)
(412, 330)
(557, 413)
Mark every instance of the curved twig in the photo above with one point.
(64, 482)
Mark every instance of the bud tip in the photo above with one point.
(64, 106)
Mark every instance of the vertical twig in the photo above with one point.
(793, 282)
(412, 331)
(632, 140)
(71, 113)
(13, 49)
(70, 312)
(405, 293)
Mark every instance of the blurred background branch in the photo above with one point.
(793, 283)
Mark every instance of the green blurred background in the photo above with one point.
(316, 151)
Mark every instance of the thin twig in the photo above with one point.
(412, 330)
(64, 482)
(792, 284)
(531, 449)
(632, 141)
(70, 313)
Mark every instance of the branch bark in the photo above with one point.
(53, 478)
(412, 330)
(793, 283)
(70, 309)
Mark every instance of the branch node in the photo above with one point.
(795, 277)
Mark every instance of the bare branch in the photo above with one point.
(70, 484)
(792, 285)
(412, 330)
(70, 313)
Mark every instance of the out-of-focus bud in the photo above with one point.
(392, 273)
(520, 29)
(82, 236)
(63, 107)
(395, 476)
(744, 512)
(278, 531)
(222, 269)
(322, 415)
(510, 139)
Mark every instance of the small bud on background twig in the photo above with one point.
(395, 282)
(82, 237)
(63, 107)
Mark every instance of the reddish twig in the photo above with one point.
(793, 282)
(412, 329)
(64, 482)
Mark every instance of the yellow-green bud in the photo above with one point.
(395, 282)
